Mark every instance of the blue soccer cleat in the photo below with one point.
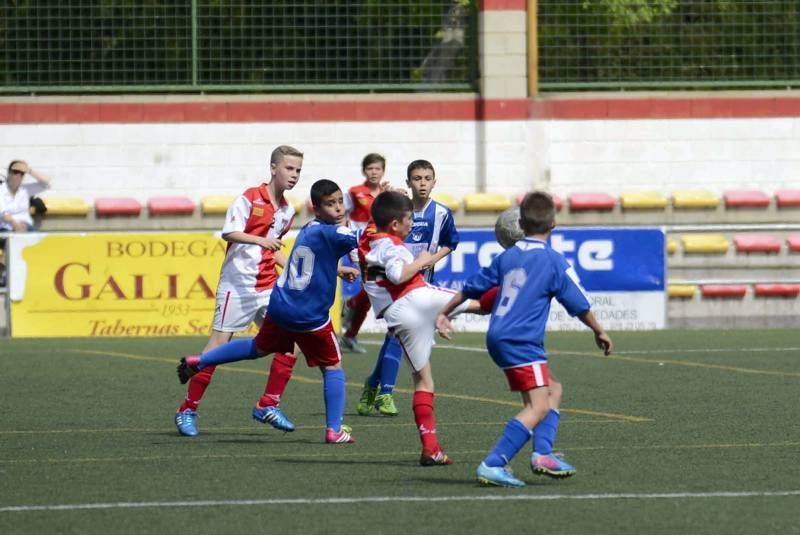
(186, 422)
(500, 476)
(273, 416)
(551, 465)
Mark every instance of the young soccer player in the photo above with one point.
(529, 274)
(358, 202)
(398, 293)
(298, 311)
(543, 460)
(432, 230)
(253, 228)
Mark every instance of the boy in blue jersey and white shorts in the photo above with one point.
(434, 231)
(298, 311)
(529, 275)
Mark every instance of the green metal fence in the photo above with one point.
(72, 46)
(84, 46)
(646, 44)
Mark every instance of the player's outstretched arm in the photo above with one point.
(443, 324)
(441, 253)
(237, 236)
(423, 261)
(475, 307)
(601, 338)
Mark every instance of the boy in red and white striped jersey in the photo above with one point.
(253, 228)
(399, 293)
(358, 203)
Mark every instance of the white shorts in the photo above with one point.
(412, 319)
(236, 310)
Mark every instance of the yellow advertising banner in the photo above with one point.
(115, 284)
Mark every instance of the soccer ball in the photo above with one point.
(507, 231)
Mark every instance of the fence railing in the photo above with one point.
(87, 46)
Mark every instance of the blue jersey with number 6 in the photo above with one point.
(304, 293)
(529, 274)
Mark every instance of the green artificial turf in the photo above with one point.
(680, 431)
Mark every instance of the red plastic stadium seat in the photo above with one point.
(793, 242)
(591, 201)
(724, 290)
(111, 206)
(776, 290)
(787, 198)
(757, 243)
(559, 202)
(746, 199)
(170, 205)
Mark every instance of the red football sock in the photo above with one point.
(280, 371)
(426, 421)
(360, 303)
(197, 387)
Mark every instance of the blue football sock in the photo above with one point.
(230, 352)
(333, 390)
(374, 378)
(544, 434)
(391, 365)
(514, 437)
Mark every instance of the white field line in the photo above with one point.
(395, 499)
(710, 350)
(444, 345)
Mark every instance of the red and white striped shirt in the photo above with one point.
(247, 266)
(382, 257)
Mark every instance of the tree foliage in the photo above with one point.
(627, 13)
(678, 43)
(278, 43)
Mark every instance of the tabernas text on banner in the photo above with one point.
(104, 284)
(622, 269)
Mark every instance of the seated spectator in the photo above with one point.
(15, 197)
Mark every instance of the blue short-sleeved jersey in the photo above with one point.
(432, 228)
(305, 291)
(529, 274)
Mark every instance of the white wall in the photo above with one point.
(715, 154)
(143, 160)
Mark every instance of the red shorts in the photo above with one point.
(487, 299)
(320, 347)
(528, 376)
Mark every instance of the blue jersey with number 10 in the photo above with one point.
(529, 274)
(304, 293)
